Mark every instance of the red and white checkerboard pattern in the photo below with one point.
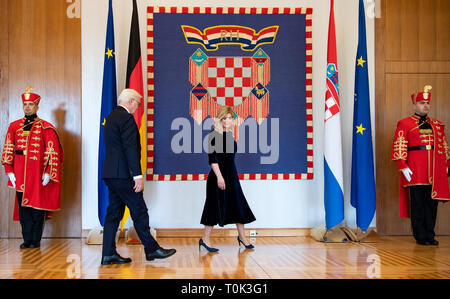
(229, 79)
(331, 108)
(308, 12)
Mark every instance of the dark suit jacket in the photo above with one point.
(122, 146)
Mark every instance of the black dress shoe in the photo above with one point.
(423, 242)
(434, 242)
(161, 253)
(35, 245)
(25, 245)
(115, 259)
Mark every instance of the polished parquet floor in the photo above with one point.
(273, 257)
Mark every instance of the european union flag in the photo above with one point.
(109, 102)
(363, 196)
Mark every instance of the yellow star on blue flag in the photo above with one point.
(110, 53)
(361, 61)
(360, 129)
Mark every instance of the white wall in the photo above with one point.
(276, 204)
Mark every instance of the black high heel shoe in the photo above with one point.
(210, 249)
(246, 246)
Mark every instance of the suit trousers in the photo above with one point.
(423, 212)
(121, 194)
(31, 220)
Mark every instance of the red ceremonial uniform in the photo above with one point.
(426, 153)
(29, 155)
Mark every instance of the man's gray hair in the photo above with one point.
(126, 94)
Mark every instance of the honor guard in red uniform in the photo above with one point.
(421, 152)
(32, 157)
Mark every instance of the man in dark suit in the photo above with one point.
(123, 176)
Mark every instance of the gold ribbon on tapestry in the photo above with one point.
(400, 147)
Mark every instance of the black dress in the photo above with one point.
(227, 206)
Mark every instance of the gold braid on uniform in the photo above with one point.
(52, 157)
(8, 151)
(400, 147)
(447, 150)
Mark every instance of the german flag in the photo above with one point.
(134, 81)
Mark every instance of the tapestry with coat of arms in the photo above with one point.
(257, 61)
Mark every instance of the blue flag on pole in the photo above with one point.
(109, 102)
(363, 196)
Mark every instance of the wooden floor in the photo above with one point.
(273, 257)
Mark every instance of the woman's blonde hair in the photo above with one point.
(221, 113)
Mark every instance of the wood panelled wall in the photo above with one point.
(40, 46)
(412, 50)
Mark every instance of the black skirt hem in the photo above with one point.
(228, 223)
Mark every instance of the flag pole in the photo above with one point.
(333, 171)
(108, 103)
(134, 80)
(363, 194)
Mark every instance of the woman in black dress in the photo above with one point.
(225, 202)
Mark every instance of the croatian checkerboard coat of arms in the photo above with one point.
(257, 61)
(238, 82)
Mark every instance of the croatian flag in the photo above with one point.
(333, 174)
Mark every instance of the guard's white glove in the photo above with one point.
(407, 173)
(12, 178)
(45, 179)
